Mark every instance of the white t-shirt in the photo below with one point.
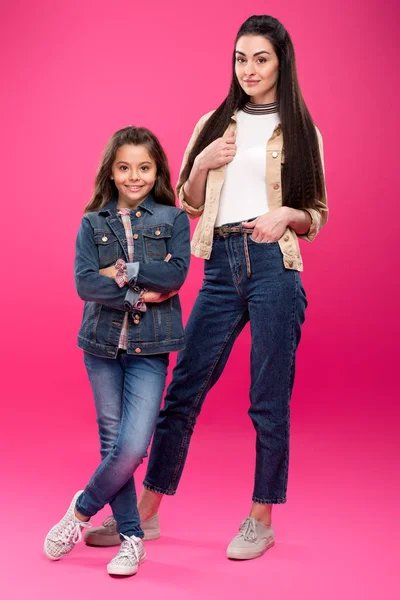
(244, 193)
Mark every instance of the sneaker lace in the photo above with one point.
(73, 532)
(108, 521)
(128, 545)
(247, 530)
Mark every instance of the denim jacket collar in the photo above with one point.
(148, 204)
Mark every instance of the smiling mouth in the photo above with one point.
(251, 80)
(134, 188)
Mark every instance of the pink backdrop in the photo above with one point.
(74, 72)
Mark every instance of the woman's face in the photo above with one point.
(257, 68)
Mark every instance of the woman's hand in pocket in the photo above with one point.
(156, 297)
(269, 227)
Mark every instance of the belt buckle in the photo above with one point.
(224, 231)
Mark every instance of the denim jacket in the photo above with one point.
(157, 230)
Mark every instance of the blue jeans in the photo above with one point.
(127, 393)
(272, 298)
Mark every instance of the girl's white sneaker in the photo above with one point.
(62, 537)
(131, 554)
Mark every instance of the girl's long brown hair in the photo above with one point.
(105, 190)
(302, 174)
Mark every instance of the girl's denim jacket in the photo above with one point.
(158, 230)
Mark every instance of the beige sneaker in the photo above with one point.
(252, 541)
(151, 528)
(131, 554)
(107, 534)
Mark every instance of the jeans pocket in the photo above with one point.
(269, 243)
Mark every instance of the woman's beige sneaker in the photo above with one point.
(252, 541)
(107, 534)
(130, 556)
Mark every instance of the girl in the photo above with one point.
(132, 257)
(253, 172)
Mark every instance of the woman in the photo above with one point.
(253, 172)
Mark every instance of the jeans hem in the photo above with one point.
(82, 511)
(158, 490)
(269, 500)
(130, 533)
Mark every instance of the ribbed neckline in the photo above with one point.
(260, 109)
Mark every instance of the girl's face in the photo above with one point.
(134, 173)
(257, 68)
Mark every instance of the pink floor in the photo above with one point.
(336, 537)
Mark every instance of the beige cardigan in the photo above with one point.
(203, 235)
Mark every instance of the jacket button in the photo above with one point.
(104, 238)
(138, 214)
(136, 321)
(158, 232)
(138, 350)
(286, 238)
(274, 155)
(135, 236)
(276, 186)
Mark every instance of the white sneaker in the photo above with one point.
(62, 537)
(131, 554)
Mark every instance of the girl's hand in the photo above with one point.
(157, 296)
(220, 152)
(109, 272)
(271, 226)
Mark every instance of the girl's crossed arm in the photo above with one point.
(90, 285)
(164, 276)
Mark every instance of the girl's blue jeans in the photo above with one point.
(127, 392)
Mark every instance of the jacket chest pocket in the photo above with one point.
(107, 247)
(156, 242)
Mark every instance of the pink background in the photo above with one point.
(74, 72)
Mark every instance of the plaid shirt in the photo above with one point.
(121, 277)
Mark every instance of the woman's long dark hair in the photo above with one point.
(105, 189)
(302, 172)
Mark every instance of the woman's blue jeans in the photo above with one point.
(274, 301)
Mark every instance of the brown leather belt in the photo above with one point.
(226, 230)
